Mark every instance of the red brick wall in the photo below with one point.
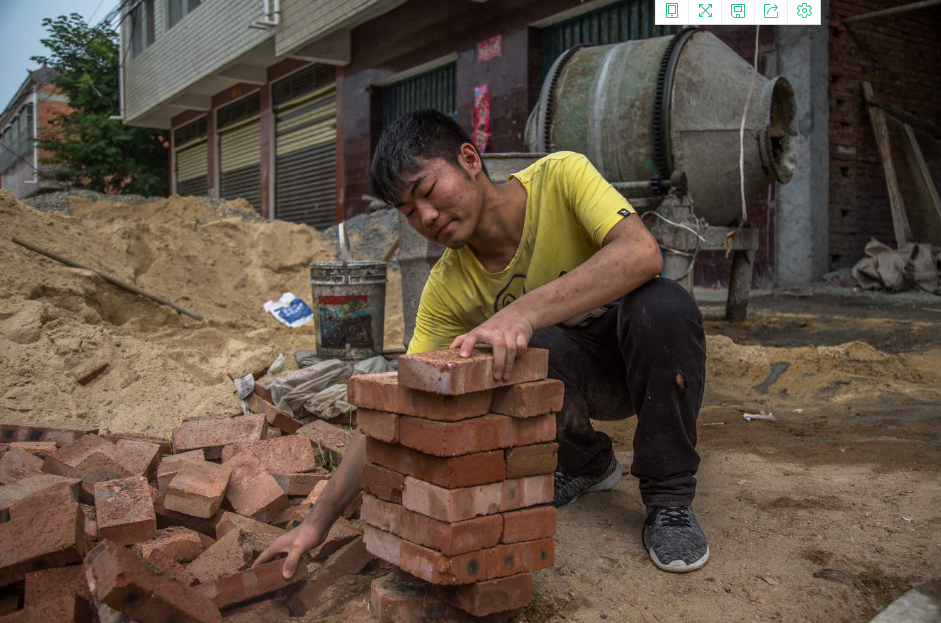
(900, 56)
(48, 108)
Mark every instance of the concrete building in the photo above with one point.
(283, 102)
(33, 106)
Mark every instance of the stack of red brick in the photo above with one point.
(458, 485)
(106, 522)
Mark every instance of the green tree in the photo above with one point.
(88, 149)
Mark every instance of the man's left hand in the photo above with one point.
(508, 335)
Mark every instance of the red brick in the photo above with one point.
(96, 468)
(359, 613)
(172, 568)
(197, 489)
(380, 425)
(57, 594)
(450, 539)
(532, 460)
(34, 484)
(212, 434)
(262, 391)
(36, 448)
(400, 598)
(382, 392)
(46, 529)
(291, 516)
(446, 372)
(341, 533)
(18, 465)
(301, 484)
(529, 524)
(230, 554)
(490, 596)
(284, 455)
(22, 431)
(170, 465)
(330, 442)
(69, 456)
(140, 458)
(314, 494)
(529, 399)
(91, 525)
(258, 535)
(488, 432)
(116, 437)
(454, 472)
(250, 584)
(124, 511)
(278, 419)
(180, 544)
(352, 558)
(383, 483)
(166, 518)
(252, 490)
(460, 504)
(126, 582)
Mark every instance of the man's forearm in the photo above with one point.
(342, 487)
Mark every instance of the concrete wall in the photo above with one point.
(21, 179)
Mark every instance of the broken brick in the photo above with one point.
(283, 455)
(380, 425)
(341, 533)
(34, 484)
(91, 523)
(116, 437)
(383, 483)
(180, 544)
(315, 493)
(60, 594)
(382, 392)
(48, 530)
(450, 539)
(460, 504)
(62, 435)
(529, 524)
(541, 458)
(126, 582)
(124, 511)
(250, 584)
(329, 441)
(96, 468)
(230, 554)
(171, 567)
(166, 518)
(213, 434)
(257, 534)
(197, 489)
(301, 484)
(488, 432)
(529, 399)
(399, 598)
(37, 448)
(351, 558)
(452, 472)
(140, 458)
(69, 456)
(447, 372)
(275, 417)
(18, 465)
(490, 596)
(170, 465)
(252, 490)
(263, 392)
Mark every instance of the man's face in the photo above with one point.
(443, 202)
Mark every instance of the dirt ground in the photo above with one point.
(826, 514)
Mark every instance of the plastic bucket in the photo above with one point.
(349, 308)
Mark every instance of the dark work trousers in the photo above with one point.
(645, 356)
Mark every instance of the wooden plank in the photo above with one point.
(906, 117)
(903, 232)
(893, 11)
(923, 168)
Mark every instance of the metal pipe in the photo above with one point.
(272, 16)
(899, 9)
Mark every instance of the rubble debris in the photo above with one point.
(124, 511)
(197, 489)
(230, 554)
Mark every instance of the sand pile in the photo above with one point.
(57, 324)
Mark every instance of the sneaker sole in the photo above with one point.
(605, 485)
(678, 566)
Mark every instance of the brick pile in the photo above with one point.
(104, 526)
(458, 483)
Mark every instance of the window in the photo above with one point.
(142, 26)
(433, 89)
(178, 9)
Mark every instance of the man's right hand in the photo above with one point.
(295, 543)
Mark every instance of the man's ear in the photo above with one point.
(470, 160)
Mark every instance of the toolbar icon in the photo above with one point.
(738, 11)
(771, 11)
(804, 10)
(673, 10)
(705, 10)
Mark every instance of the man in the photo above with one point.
(554, 258)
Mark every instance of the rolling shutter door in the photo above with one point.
(305, 148)
(192, 169)
(240, 150)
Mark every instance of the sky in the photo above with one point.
(21, 29)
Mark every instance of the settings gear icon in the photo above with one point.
(804, 10)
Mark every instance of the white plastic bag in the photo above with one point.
(290, 310)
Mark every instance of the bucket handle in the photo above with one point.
(346, 255)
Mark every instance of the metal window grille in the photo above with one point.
(189, 132)
(178, 9)
(242, 109)
(303, 81)
(435, 89)
(621, 21)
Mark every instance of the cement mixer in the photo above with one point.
(660, 119)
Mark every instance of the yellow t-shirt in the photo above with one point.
(570, 209)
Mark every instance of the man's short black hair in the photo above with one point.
(415, 137)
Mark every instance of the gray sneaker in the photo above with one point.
(569, 488)
(677, 543)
